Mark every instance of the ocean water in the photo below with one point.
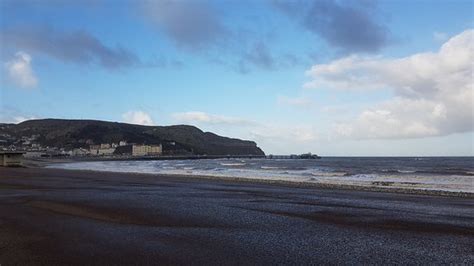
(428, 173)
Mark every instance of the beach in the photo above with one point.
(55, 216)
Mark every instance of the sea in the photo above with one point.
(455, 174)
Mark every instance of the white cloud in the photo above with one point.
(279, 137)
(19, 71)
(19, 119)
(15, 119)
(285, 138)
(205, 118)
(293, 101)
(287, 134)
(11, 114)
(137, 117)
(348, 73)
(434, 92)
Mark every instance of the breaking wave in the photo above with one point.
(451, 174)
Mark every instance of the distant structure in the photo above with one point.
(80, 152)
(34, 154)
(102, 149)
(308, 155)
(139, 150)
(142, 150)
(11, 158)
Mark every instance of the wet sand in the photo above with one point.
(51, 216)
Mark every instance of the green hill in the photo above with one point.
(81, 133)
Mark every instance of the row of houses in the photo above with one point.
(14, 158)
(128, 149)
(121, 148)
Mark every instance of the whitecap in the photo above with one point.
(272, 167)
(406, 171)
(232, 164)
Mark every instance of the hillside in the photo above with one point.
(70, 134)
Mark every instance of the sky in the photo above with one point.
(336, 78)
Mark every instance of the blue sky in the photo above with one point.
(330, 77)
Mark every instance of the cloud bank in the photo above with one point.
(78, 47)
(200, 27)
(267, 134)
(433, 92)
(194, 117)
(20, 72)
(349, 25)
(138, 118)
(190, 24)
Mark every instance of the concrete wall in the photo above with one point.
(11, 159)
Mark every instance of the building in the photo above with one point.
(11, 158)
(105, 146)
(102, 149)
(139, 150)
(143, 150)
(80, 152)
(105, 151)
(94, 149)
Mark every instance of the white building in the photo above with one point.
(80, 152)
(107, 151)
(102, 149)
(143, 150)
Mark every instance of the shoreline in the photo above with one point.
(297, 184)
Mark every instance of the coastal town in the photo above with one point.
(95, 138)
(35, 146)
(32, 148)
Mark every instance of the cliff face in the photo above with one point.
(81, 133)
